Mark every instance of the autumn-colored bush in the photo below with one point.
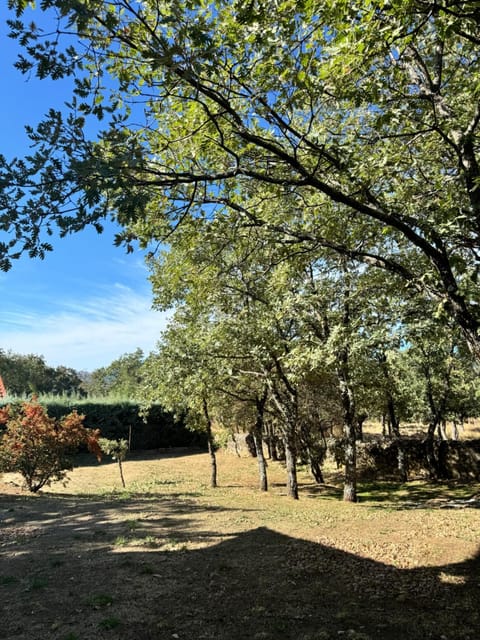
(40, 447)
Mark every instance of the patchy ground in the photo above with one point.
(171, 558)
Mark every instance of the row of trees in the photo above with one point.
(24, 375)
(29, 374)
(288, 345)
(315, 172)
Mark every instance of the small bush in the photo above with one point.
(39, 447)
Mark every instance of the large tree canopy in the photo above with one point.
(303, 117)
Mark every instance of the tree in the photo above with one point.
(364, 117)
(122, 377)
(261, 310)
(182, 377)
(39, 447)
(66, 380)
(117, 450)
(437, 358)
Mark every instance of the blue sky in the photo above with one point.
(88, 302)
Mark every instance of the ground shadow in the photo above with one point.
(420, 494)
(66, 576)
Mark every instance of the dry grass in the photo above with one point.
(469, 430)
(169, 557)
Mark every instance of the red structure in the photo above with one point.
(3, 391)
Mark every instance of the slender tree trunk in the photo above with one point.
(291, 462)
(442, 430)
(349, 433)
(384, 425)
(350, 483)
(316, 470)
(431, 459)
(120, 467)
(258, 439)
(401, 457)
(437, 411)
(211, 446)
(287, 406)
(348, 403)
(311, 449)
(455, 430)
(360, 420)
(262, 463)
(268, 440)
(394, 421)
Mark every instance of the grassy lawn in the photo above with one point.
(170, 557)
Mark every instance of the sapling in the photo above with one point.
(116, 449)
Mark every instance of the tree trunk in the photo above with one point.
(120, 467)
(349, 429)
(268, 441)
(442, 430)
(211, 446)
(348, 401)
(431, 460)
(291, 463)
(262, 463)
(316, 470)
(455, 430)
(360, 420)
(350, 482)
(258, 439)
(401, 459)
(272, 442)
(393, 420)
(313, 453)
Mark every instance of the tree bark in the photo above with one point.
(262, 463)
(211, 446)
(431, 459)
(349, 435)
(350, 479)
(394, 422)
(348, 405)
(258, 439)
(291, 463)
(314, 456)
(360, 420)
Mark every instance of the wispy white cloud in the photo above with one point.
(85, 334)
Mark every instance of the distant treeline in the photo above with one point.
(24, 375)
(28, 374)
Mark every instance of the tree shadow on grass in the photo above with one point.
(143, 570)
(420, 494)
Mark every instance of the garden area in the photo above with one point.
(302, 181)
(169, 557)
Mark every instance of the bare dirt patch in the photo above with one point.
(171, 558)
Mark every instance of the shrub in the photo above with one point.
(38, 446)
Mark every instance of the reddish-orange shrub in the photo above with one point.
(40, 447)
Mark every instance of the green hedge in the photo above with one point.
(118, 418)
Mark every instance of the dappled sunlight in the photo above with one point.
(169, 556)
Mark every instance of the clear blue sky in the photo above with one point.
(88, 302)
